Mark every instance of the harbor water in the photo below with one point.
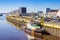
(9, 31)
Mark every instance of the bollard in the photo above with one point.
(42, 20)
(32, 32)
(53, 25)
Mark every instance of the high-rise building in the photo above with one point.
(22, 10)
(47, 10)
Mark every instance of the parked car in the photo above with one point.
(47, 19)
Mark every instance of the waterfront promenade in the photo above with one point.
(52, 24)
(50, 27)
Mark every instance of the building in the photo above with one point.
(52, 13)
(22, 10)
(58, 13)
(12, 12)
(47, 10)
(40, 13)
(16, 12)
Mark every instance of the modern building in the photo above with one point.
(58, 13)
(52, 13)
(47, 10)
(22, 10)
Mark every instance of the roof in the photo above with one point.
(54, 10)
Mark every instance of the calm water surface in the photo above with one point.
(10, 32)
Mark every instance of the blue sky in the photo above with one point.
(31, 5)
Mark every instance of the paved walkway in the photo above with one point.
(53, 25)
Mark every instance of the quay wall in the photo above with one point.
(19, 24)
(53, 31)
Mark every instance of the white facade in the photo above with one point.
(58, 13)
(52, 14)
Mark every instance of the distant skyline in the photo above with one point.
(7, 6)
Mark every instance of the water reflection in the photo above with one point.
(10, 32)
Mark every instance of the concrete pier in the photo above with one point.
(54, 31)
